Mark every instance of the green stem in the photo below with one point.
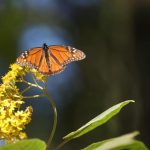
(25, 90)
(33, 85)
(51, 102)
(55, 118)
(34, 96)
(61, 144)
(34, 80)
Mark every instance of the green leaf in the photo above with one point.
(97, 121)
(119, 143)
(31, 144)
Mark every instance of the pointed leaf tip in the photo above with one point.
(98, 121)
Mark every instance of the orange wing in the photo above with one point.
(30, 58)
(65, 54)
(55, 67)
(34, 58)
(59, 56)
(43, 67)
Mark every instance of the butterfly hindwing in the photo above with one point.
(43, 66)
(55, 67)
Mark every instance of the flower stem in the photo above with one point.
(51, 102)
(55, 119)
(34, 80)
(32, 84)
(34, 96)
(25, 90)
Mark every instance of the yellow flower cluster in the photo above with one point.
(12, 119)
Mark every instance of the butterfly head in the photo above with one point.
(45, 47)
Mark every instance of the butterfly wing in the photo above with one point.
(55, 67)
(65, 54)
(31, 57)
(34, 58)
(59, 56)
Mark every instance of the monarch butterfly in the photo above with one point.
(49, 60)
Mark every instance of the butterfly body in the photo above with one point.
(50, 60)
(46, 54)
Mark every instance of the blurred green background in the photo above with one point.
(115, 35)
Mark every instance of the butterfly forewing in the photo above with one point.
(31, 57)
(60, 53)
(65, 54)
(78, 55)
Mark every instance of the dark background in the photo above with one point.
(115, 35)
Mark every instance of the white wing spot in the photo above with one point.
(74, 50)
(69, 48)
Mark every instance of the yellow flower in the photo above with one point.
(39, 76)
(12, 119)
(13, 74)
